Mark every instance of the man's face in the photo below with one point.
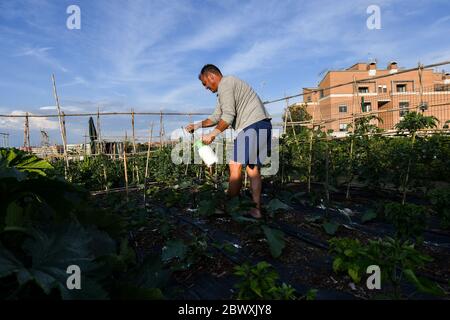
(210, 81)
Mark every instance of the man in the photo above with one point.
(240, 107)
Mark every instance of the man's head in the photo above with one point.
(210, 77)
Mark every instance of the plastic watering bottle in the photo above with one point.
(206, 153)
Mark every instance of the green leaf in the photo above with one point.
(207, 207)
(174, 249)
(8, 263)
(353, 272)
(14, 216)
(424, 285)
(275, 238)
(23, 161)
(348, 252)
(275, 205)
(337, 263)
(330, 227)
(52, 251)
(150, 274)
(255, 287)
(311, 294)
(368, 216)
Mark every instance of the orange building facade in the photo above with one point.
(388, 97)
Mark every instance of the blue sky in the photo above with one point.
(146, 55)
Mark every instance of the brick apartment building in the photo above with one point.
(385, 95)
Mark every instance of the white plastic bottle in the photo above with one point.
(206, 153)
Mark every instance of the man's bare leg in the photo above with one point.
(235, 182)
(255, 184)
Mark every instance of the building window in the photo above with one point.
(401, 88)
(321, 94)
(363, 89)
(366, 107)
(382, 89)
(342, 127)
(403, 106)
(343, 108)
(309, 99)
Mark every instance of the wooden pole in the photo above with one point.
(290, 119)
(420, 71)
(26, 134)
(106, 177)
(99, 135)
(148, 151)
(125, 164)
(161, 130)
(85, 144)
(61, 128)
(311, 138)
(146, 163)
(352, 141)
(135, 166)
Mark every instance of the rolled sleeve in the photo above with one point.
(215, 117)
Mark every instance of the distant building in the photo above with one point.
(398, 91)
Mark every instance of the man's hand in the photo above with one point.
(190, 128)
(207, 139)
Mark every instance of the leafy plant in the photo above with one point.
(349, 256)
(275, 205)
(397, 260)
(311, 294)
(13, 162)
(369, 215)
(47, 225)
(184, 255)
(440, 200)
(409, 220)
(412, 123)
(261, 282)
(275, 239)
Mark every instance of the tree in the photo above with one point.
(298, 113)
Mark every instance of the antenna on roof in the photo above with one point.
(324, 71)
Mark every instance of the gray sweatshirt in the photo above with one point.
(238, 104)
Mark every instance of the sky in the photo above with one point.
(146, 55)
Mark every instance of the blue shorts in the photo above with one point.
(252, 145)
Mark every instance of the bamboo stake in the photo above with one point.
(146, 163)
(148, 151)
(135, 167)
(420, 71)
(26, 134)
(61, 127)
(85, 145)
(125, 164)
(290, 117)
(310, 149)
(99, 135)
(106, 178)
(310, 158)
(160, 130)
(285, 121)
(356, 94)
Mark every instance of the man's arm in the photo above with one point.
(202, 124)
(221, 127)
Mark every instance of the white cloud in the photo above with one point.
(42, 55)
(34, 123)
